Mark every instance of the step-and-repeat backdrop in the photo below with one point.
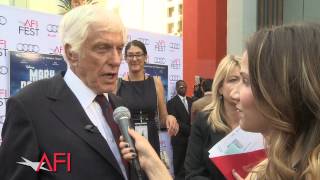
(23, 30)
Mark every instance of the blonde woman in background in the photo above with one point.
(216, 121)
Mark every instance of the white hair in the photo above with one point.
(74, 26)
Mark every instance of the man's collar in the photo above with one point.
(83, 93)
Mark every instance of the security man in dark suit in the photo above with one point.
(180, 106)
(65, 120)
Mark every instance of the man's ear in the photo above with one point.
(72, 57)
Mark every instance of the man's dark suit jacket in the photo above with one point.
(46, 117)
(180, 141)
(176, 108)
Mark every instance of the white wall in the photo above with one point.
(241, 23)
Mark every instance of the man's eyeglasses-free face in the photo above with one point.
(132, 56)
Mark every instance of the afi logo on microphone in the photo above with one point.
(61, 158)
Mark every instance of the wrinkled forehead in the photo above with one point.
(101, 30)
(108, 26)
(99, 27)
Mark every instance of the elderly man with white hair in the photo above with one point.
(61, 128)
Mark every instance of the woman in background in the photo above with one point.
(216, 121)
(144, 96)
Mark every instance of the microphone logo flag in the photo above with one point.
(239, 150)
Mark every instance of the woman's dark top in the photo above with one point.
(197, 163)
(141, 99)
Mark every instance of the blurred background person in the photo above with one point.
(280, 98)
(179, 106)
(144, 96)
(197, 92)
(217, 120)
(198, 105)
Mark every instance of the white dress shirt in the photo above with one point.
(93, 110)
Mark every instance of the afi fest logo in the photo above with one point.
(58, 158)
(176, 64)
(29, 28)
(25, 47)
(160, 46)
(3, 47)
(3, 20)
(52, 30)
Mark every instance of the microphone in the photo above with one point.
(122, 115)
(91, 128)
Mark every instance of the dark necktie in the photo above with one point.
(107, 112)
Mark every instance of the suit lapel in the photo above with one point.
(67, 108)
(180, 104)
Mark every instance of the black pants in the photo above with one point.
(179, 154)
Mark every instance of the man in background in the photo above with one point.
(64, 122)
(179, 106)
(201, 103)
